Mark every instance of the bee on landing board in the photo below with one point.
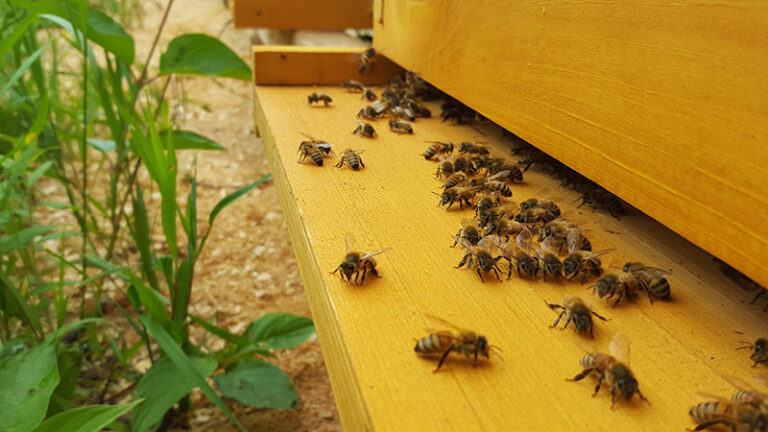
(366, 61)
(575, 309)
(613, 369)
(735, 416)
(314, 149)
(355, 263)
(369, 94)
(400, 126)
(584, 262)
(351, 157)
(456, 340)
(747, 394)
(759, 351)
(438, 148)
(365, 130)
(550, 261)
(652, 280)
(463, 195)
(469, 232)
(353, 86)
(481, 258)
(517, 254)
(319, 97)
(623, 285)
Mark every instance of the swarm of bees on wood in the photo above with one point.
(525, 237)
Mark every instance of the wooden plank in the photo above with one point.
(367, 333)
(303, 14)
(661, 103)
(294, 65)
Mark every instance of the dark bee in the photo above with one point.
(759, 351)
(319, 97)
(445, 169)
(624, 285)
(464, 165)
(461, 194)
(736, 416)
(517, 254)
(496, 186)
(455, 180)
(487, 216)
(550, 262)
(365, 130)
(600, 199)
(469, 232)
(503, 228)
(545, 204)
(419, 110)
(612, 369)
(652, 280)
(584, 262)
(353, 86)
(402, 112)
(480, 258)
(534, 215)
(368, 112)
(437, 148)
(366, 61)
(369, 95)
(315, 150)
(400, 126)
(576, 310)
(486, 201)
(356, 262)
(472, 148)
(352, 157)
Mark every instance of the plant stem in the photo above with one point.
(143, 75)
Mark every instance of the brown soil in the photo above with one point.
(248, 267)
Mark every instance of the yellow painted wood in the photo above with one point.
(303, 14)
(297, 65)
(663, 103)
(368, 333)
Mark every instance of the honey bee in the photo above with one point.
(518, 254)
(437, 148)
(480, 257)
(503, 228)
(624, 285)
(746, 394)
(652, 280)
(759, 351)
(560, 237)
(600, 199)
(584, 262)
(402, 112)
(369, 95)
(534, 215)
(463, 195)
(457, 179)
(472, 148)
(445, 169)
(576, 310)
(352, 157)
(736, 416)
(613, 369)
(542, 203)
(512, 173)
(469, 232)
(460, 341)
(487, 201)
(353, 86)
(368, 112)
(315, 150)
(356, 262)
(400, 126)
(419, 110)
(319, 97)
(366, 60)
(496, 186)
(365, 130)
(485, 217)
(464, 165)
(550, 261)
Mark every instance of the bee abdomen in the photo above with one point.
(431, 344)
(354, 162)
(588, 361)
(705, 411)
(317, 158)
(660, 288)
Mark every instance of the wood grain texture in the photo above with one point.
(660, 102)
(368, 333)
(303, 14)
(295, 65)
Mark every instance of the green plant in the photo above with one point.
(58, 119)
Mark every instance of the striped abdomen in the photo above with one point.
(709, 411)
(596, 360)
(434, 343)
(354, 161)
(316, 156)
(659, 286)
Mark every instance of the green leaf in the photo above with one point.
(162, 386)
(104, 146)
(22, 238)
(23, 69)
(92, 418)
(140, 234)
(199, 54)
(188, 140)
(213, 328)
(27, 381)
(277, 331)
(69, 359)
(100, 28)
(184, 363)
(260, 384)
(16, 305)
(153, 304)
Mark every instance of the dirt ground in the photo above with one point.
(248, 267)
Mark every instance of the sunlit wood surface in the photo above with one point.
(303, 14)
(663, 103)
(368, 333)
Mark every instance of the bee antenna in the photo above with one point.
(496, 350)
(437, 194)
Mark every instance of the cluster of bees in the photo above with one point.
(531, 236)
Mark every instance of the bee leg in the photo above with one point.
(464, 260)
(365, 271)
(456, 238)
(709, 424)
(600, 316)
(341, 162)
(496, 272)
(643, 398)
(557, 321)
(581, 376)
(613, 397)
(599, 383)
(442, 358)
(361, 162)
(479, 273)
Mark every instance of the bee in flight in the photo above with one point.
(319, 97)
(366, 60)
(356, 262)
(575, 309)
(759, 351)
(352, 157)
(457, 340)
(612, 369)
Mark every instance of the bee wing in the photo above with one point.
(550, 245)
(762, 379)
(444, 322)
(619, 348)
(374, 253)
(348, 239)
(708, 397)
(310, 137)
(538, 251)
(465, 223)
(499, 175)
(602, 252)
(524, 238)
(490, 241)
(738, 382)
